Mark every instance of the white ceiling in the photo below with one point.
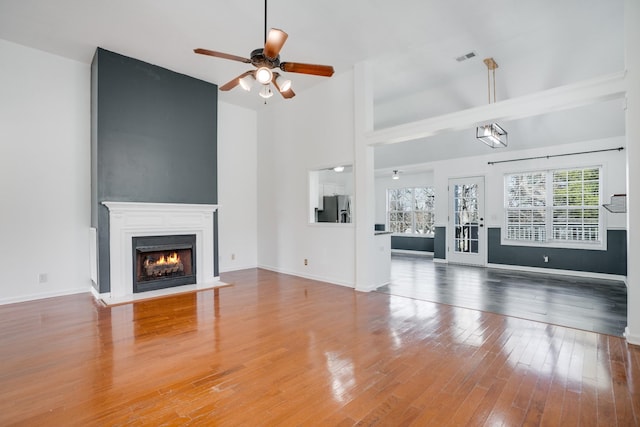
(412, 44)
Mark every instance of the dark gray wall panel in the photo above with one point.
(611, 261)
(412, 243)
(94, 155)
(440, 243)
(156, 139)
(157, 133)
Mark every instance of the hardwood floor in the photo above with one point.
(278, 350)
(595, 305)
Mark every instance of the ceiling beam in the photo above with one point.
(608, 87)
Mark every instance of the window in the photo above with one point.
(553, 206)
(411, 210)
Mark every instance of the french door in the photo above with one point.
(466, 242)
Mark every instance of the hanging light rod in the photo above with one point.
(555, 155)
(492, 134)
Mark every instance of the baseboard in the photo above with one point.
(574, 273)
(97, 295)
(237, 268)
(440, 260)
(631, 339)
(34, 297)
(414, 253)
(307, 276)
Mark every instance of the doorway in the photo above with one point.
(466, 243)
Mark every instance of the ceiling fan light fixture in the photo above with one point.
(265, 92)
(266, 59)
(246, 82)
(283, 83)
(264, 75)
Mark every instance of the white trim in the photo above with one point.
(600, 245)
(425, 254)
(414, 235)
(93, 253)
(631, 339)
(237, 268)
(34, 297)
(307, 276)
(106, 298)
(560, 272)
(559, 244)
(601, 88)
(133, 219)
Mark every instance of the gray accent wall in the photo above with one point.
(611, 261)
(440, 243)
(413, 243)
(153, 139)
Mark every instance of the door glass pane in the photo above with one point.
(466, 218)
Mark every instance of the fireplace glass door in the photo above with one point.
(163, 261)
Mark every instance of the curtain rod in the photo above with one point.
(555, 155)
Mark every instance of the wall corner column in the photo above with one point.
(364, 179)
(632, 64)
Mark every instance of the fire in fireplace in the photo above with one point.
(163, 261)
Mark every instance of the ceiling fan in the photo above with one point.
(266, 59)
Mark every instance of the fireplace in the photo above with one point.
(161, 262)
(135, 220)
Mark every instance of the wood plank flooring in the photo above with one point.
(595, 305)
(276, 350)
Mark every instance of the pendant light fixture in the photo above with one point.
(492, 134)
(395, 174)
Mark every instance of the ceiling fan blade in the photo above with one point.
(289, 93)
(275, 41)
(314, 69)
(222, 55)
(235, 82)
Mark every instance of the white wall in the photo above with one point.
(44, 174)
(237, 187)
(612, 161)
(311, 131)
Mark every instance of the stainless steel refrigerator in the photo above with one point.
(335, 209)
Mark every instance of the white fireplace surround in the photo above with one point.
(133, 219)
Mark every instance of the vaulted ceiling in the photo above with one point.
(412, 46)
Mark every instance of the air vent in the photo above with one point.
(465, 56)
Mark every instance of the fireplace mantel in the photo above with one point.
(133, 219)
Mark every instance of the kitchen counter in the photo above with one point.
(382, 258)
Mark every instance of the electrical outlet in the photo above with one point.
(233, 256)
(306, 262)
(546, 258)
(42, 278)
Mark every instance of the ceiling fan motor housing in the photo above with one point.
(259, 59)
